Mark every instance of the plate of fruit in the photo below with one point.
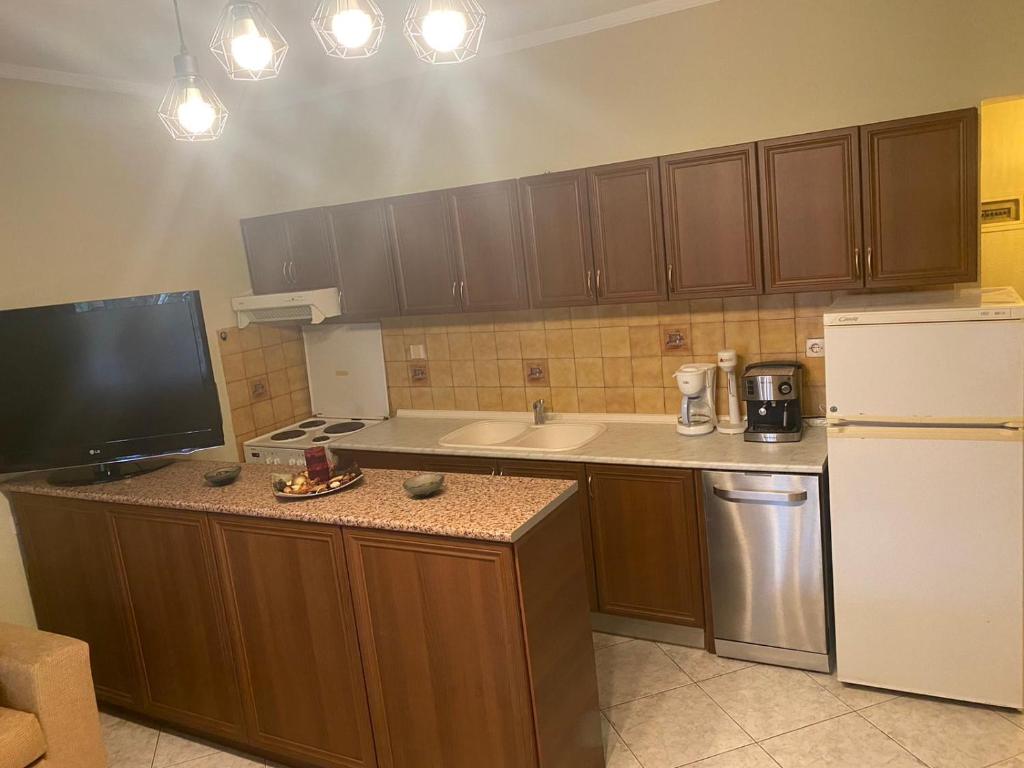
(303, 486)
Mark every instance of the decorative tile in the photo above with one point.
(616, 753)
(675, 727)
(565, 400)
(627, 671)
(419, 374)
(674, 339)
(767, 701)
(535, 373)
(844, 742)
(947, 735)
(699, 665)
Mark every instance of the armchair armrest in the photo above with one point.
(49, 676)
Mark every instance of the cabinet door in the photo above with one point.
(72, 575)
(421, 254)
(467, 465)
(178, 619)
(359, 233)
(556, 239)
(488, 246)
(266, 250)
(625, 219)
(580, 502)
(646, 548)
(309, 248)
(441, 635)
(810, 211)
(712, 229)
(921, 199)
(290, 614)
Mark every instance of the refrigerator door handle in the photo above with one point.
(760, 497)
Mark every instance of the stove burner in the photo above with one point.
(311, 423)
(288, 434)
(321, 438)
(343, 427)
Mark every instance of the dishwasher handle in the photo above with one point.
(760, 497)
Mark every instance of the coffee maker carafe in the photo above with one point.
(697, 409)
(772, 393)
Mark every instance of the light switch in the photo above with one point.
(417, 352)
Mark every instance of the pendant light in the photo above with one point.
(349, 29)
(445, 31)
(246, 42)
(190, 109)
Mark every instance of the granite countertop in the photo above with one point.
(470, 507)
(622, 442)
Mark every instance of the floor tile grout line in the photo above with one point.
(645, 696)
(673, 662)
(628, 748)
(802, 728)
(726, 713)
(906, 749)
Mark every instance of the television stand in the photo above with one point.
(105, 473)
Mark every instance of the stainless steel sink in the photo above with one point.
(513, 435)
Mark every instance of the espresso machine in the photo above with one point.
(772, 393)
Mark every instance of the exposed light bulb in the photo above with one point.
(195, 114)
(249, 48)
(352, 27)
(444, 30)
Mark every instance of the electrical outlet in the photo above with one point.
(815, 348)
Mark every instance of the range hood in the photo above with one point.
(303, 306)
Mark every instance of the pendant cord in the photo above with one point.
(177, 18)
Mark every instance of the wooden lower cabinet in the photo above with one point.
(646, 550)
(76, 590)
(421, 462)
(288, 593)
(177, 619)
(563, 470)
(476, 653)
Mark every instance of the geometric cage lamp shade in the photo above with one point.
(246, 42)
(190, 109)
(445, 31)
(348, 29)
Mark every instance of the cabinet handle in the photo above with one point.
(590, 485)
(291, 272)
(760, 497)
(589, 291)
(871, 269)
(284, 271)
(462, 291)
(670, 286)
(455, 285)
(856, 261)
(599, 282)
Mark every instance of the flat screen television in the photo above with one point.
(102, 385)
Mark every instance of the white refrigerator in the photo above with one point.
(925, 399)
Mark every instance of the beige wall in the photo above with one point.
(95, 200)
(1002, 174)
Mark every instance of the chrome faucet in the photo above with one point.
(538, 412)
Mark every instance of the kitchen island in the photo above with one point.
(358, 629)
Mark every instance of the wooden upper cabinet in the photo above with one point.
(488, 247)
(810, 211)
(625, 218)
(290, 614)
(289, 252)
(425, 273)
(366, 279)
(921, 199)
(177, 619)
(712, 227)
(556, 239)
(646, 543)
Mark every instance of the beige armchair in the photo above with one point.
(48, 715)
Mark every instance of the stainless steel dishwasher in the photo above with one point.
(767, 539)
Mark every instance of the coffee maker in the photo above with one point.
(772, 393)
(697, 408)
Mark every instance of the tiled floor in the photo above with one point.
(665, 706)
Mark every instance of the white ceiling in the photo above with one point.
(128, 45)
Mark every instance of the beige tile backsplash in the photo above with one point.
(265, 372)
(616, 359)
